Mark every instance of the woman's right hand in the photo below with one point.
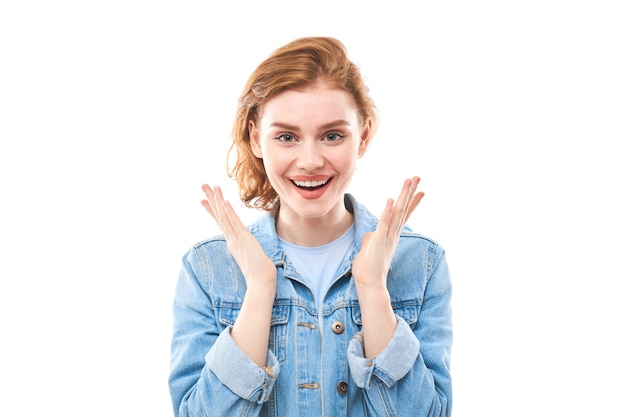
(256, 266)
(251, 330)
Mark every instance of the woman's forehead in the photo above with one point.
(312, 106)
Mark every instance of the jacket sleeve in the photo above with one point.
(411, 376)
(209, 374)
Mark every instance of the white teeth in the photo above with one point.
(310, 184)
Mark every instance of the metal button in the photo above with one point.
(342, 388)
(338, 327)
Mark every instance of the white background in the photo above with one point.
(114, 113)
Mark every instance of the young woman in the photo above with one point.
(318, 308)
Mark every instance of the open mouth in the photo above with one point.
(311, 185)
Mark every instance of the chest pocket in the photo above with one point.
(407, 310)
(278, 327)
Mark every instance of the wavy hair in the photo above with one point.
(294, 66)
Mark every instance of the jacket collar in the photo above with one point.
(264, 229)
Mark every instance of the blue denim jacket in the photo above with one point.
(312, 370)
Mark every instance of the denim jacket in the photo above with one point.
(314, 367)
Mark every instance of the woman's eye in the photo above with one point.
(333, 137)
(285, 138)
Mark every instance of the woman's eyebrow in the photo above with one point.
(282, 125)
(335, 123)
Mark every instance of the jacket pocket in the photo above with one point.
(408, 310)
(278, 327)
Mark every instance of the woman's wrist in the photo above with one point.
(379, 321)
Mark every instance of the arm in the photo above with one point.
(215, 372)
(252, 328)
(411, 376)
(400, 369)
(371, 266)
(210, 375)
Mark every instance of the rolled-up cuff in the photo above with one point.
(238, 372)
(391, 365)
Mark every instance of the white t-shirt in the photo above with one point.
(318, 265)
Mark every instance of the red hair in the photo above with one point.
(296, 65)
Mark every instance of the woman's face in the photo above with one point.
(310, 141)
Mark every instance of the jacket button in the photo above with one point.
(342, 388)
(338, 327)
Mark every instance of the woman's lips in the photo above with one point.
(311, 185)
(311, 189)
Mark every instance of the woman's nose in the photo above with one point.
(310, 157)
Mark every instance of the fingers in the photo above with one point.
(386, 217)
(404, 200)
(215, 205)
(222, 212)
(413, 199)
(397, 213)
(414, 203)
(209, 203)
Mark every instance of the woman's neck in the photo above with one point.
(303, 231)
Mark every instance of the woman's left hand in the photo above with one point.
(372, 263)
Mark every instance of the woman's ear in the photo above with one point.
(366, 137)
(255, 143)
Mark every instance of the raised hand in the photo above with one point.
(252, 326)
(372, 263)
(253, 262)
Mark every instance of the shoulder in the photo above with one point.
(417, 260)
(214, 250)
(206, 258)
(410, 237)
(417, 238)
(414, 245)
(213, 247)
(210, 243)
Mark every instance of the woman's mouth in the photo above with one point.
(311, 185)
